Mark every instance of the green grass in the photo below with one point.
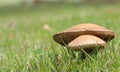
(25, 46)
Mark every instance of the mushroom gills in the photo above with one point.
(86, 42)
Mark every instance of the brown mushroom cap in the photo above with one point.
(86, 42)
(68, 35)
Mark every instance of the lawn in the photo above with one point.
(26, 45)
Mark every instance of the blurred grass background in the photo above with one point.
(26, 32)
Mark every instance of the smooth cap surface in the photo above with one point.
(86, 42)
(71, 33)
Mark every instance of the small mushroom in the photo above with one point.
(86, 42)
(84, 36)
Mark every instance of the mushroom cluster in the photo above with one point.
(84, 36)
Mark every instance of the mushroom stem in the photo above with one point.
(83, 54)
(89, 52)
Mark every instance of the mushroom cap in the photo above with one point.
(71, 33)
(87, 42)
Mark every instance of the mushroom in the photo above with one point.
(83, 29)
(86, 42)
(86, 36)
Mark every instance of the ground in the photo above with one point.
(26, 43)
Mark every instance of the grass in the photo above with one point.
(26, 46)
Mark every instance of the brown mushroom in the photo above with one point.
(86, 42)
(71, 33)
(84, 36)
